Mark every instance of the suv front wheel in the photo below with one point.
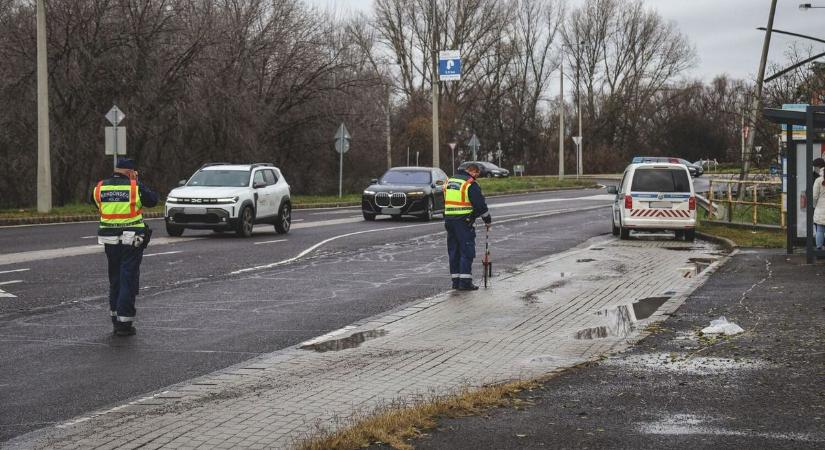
(245, 222)
(174, 230)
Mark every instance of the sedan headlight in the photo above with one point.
(368, 192)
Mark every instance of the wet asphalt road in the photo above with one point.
(760, 389)
(213, 301)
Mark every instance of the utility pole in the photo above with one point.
(435, 85)
(756, 104)
(561, 117)
(44, 169)
(389, 127)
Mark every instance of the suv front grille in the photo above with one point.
(395, 200)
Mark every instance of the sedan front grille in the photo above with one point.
(395, 200)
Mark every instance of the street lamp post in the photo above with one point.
(44, 170)
(435, 85)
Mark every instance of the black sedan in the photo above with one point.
(413, 191)
(486, 169)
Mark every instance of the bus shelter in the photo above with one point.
(798, 173)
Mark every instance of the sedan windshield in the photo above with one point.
(406, 177)
(223, 178)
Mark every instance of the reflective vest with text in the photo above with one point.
(119, 205)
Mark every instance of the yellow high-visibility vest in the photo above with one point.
(119, 205)
(456, 201)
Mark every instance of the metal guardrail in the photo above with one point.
(755, 187)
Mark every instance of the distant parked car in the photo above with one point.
(696, 170)
(486, 169)
(414, 191)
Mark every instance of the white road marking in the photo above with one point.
(340, 236)
(12, 271)
(323, 223)
(164, 253)
(88, 237)
(4, 294)
(270, 242)
(37, 255)
(552, 200)
(10, 282)
(297, 220)
(342, 211)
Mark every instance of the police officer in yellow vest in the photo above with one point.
(120, 199)
(463, 203)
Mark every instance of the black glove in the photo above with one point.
(487, 219)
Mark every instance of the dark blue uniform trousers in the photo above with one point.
(124, 275)
(461, 247)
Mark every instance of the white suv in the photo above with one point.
(222, 196)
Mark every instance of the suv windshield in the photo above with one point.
(225, 178)
(660, 180)
(406, 177)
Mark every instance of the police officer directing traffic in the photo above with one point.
(463, 203)
(120, 200)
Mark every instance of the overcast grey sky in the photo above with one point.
(722, 31)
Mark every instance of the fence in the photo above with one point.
(765, 189)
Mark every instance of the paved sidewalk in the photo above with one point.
(525, 326)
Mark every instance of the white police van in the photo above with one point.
(655, 197)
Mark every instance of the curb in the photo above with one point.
(34, 220)
(728, 244)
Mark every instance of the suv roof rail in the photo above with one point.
(215, 164)
(263, 165)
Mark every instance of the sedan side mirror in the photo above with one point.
(181, 182)
(612, 190)
(374, 181)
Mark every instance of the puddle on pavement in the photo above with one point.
(645, 307)
(683, 249)
(702, 263)
(597, 248)
(351, 341)
(621, 320)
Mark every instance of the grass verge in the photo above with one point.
(396, 424)
(490, 186)
(745, 237)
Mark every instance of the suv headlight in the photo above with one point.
(227, 199)
(415, 194)
(172, 199)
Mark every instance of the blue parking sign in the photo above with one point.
(449, 65)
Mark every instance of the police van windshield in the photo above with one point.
(222, 178)
(406, 177)
(660, 180)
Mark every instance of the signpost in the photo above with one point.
(474, 145)
(579, 166)
(452, 151)
(449, 65)
(115, 144)
(342, 139)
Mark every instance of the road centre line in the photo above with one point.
(88, 237)
(10, 282)
(164, 253)
(37, 255)
(12, 271)
(270, 242)
(600, 197)
(514, 217)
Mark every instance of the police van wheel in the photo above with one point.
(245, 223)
(624, 233)
(680, 234)
(690, 235)
(173, 230)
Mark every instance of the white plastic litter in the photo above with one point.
(722, 326)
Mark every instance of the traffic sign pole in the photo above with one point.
(342, 138)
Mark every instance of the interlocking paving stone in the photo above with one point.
(522, 327)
